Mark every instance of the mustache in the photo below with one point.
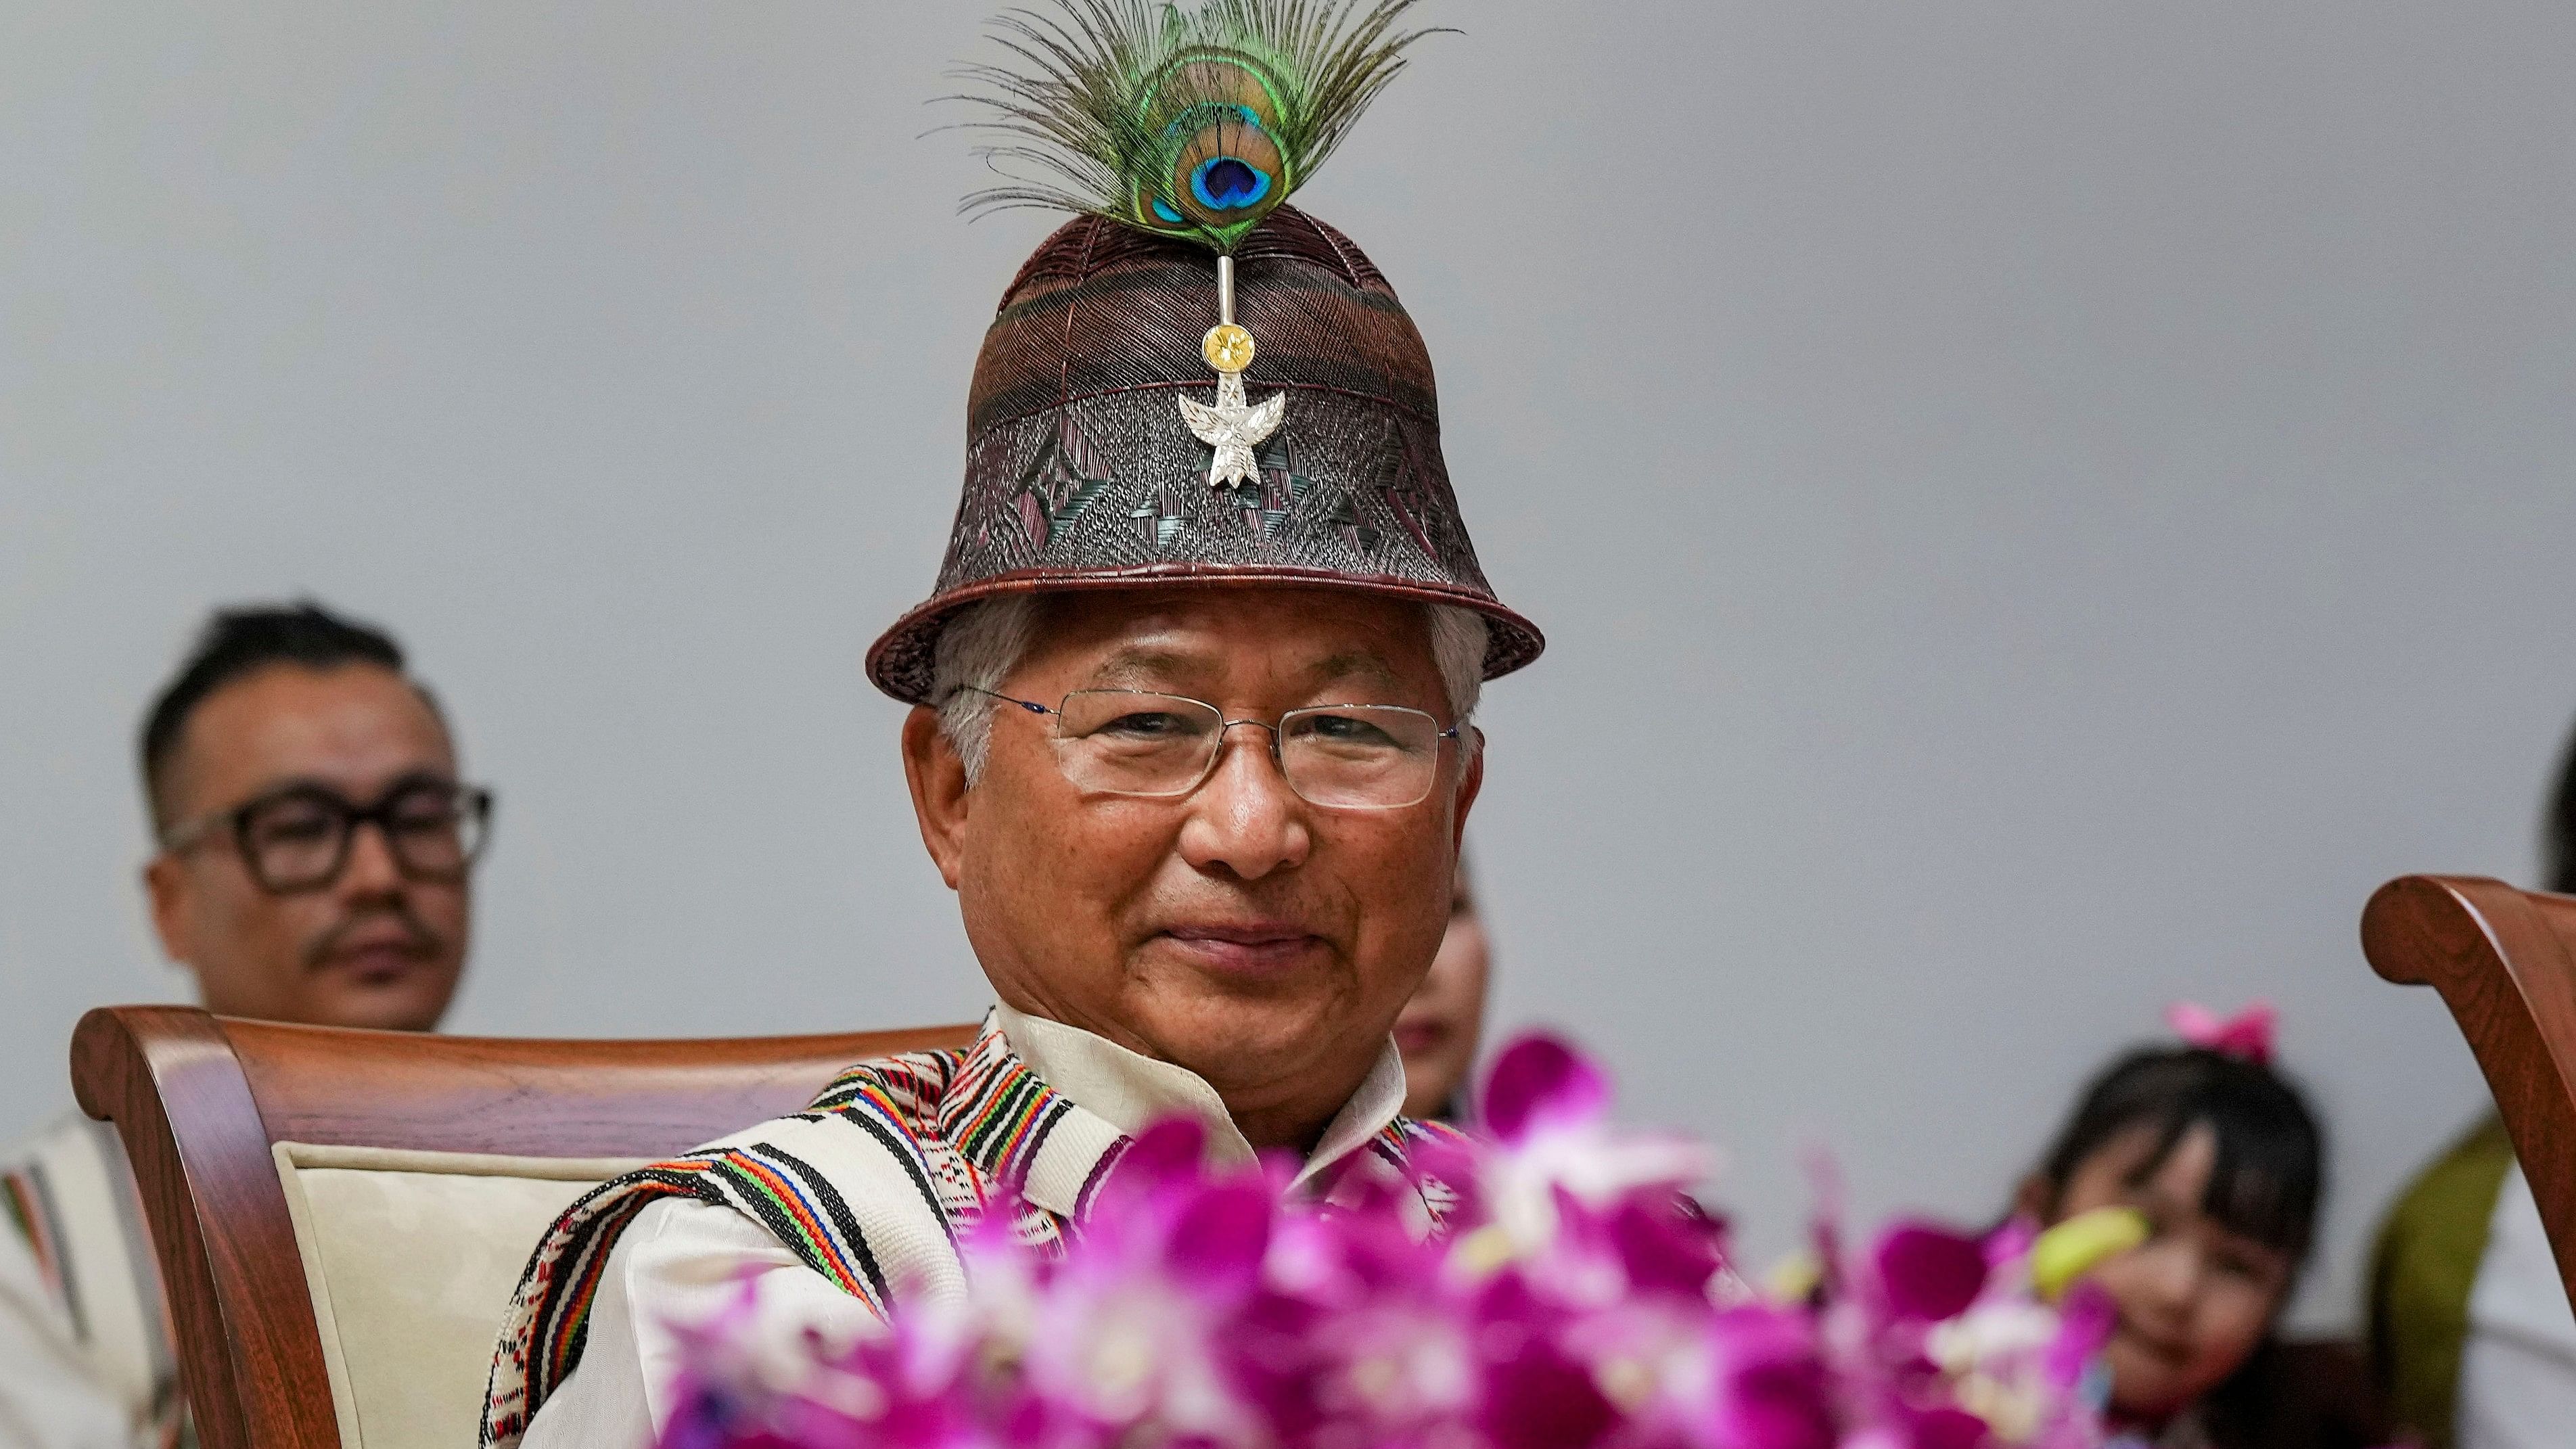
(421, 942)
(1287, 902)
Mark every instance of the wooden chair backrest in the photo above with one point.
(198, 1100)
(2504, 961)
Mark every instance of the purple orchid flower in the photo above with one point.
(1580, 1300)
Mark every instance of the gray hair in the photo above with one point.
(982, 645)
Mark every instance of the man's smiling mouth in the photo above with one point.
(1246, 947)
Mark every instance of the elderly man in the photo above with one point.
(1190, 741)
(314, 849)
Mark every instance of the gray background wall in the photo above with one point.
(2038, 508)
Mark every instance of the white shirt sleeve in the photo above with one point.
(682, 1262)
(2518, 1371)
(49, 1397)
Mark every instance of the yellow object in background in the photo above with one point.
(2070, 1250)
(1795, 1279)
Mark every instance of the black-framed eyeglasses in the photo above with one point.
(1344, 756)
(296, 837)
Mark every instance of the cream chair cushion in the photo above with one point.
(411, 1257)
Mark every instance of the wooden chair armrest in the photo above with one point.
(198, 1100)
(167, 1077)
(2500, 959)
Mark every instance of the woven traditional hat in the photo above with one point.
(1191, 383)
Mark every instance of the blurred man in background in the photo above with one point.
(1444, 1022)
(2470, 1327)
(313, 856)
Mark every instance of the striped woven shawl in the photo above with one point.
(869, 1187)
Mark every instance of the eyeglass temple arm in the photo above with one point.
(1030, 705)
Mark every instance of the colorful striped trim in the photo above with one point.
(803, 1211)
(1108, 1163)
(896, 1102)
(70, 1196)
(1404, 1130)
(32, 1212)
(18, 1191)
(1392, 1153)
(906, 1146)
(552, 1305)
(997, 1112)
(549, 1321)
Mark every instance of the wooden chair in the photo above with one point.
(204, 1103)
(2504, 961)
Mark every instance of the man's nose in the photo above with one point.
(372, 869)
(1245, 819)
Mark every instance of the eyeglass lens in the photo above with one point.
(1368, 756)
(299, 840)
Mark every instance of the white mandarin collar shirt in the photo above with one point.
(681, 1261)
(1129, 1091)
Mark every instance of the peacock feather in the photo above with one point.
(1191, 123)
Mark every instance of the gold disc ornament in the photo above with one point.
(1233, 425)
(1227, 348)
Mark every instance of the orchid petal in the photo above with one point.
(1539, 1079)
(1946, 1429)
(1539, 1398)
(2086, 1320)
(1929, 1273)
(1168, 1151)
(1220, 1235)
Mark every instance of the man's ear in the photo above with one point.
(939, 797)
(166, 886)
(1470, 782)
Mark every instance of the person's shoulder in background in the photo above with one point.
(2517, 1387)
(85, 1355)
(2422, 1269)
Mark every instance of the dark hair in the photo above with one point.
(239, 642)
(2270, 1171)
(2558, 828)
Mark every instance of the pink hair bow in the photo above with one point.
(2247, 1035)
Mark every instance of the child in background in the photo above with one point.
(2226, 1163)
(1441, 1025)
